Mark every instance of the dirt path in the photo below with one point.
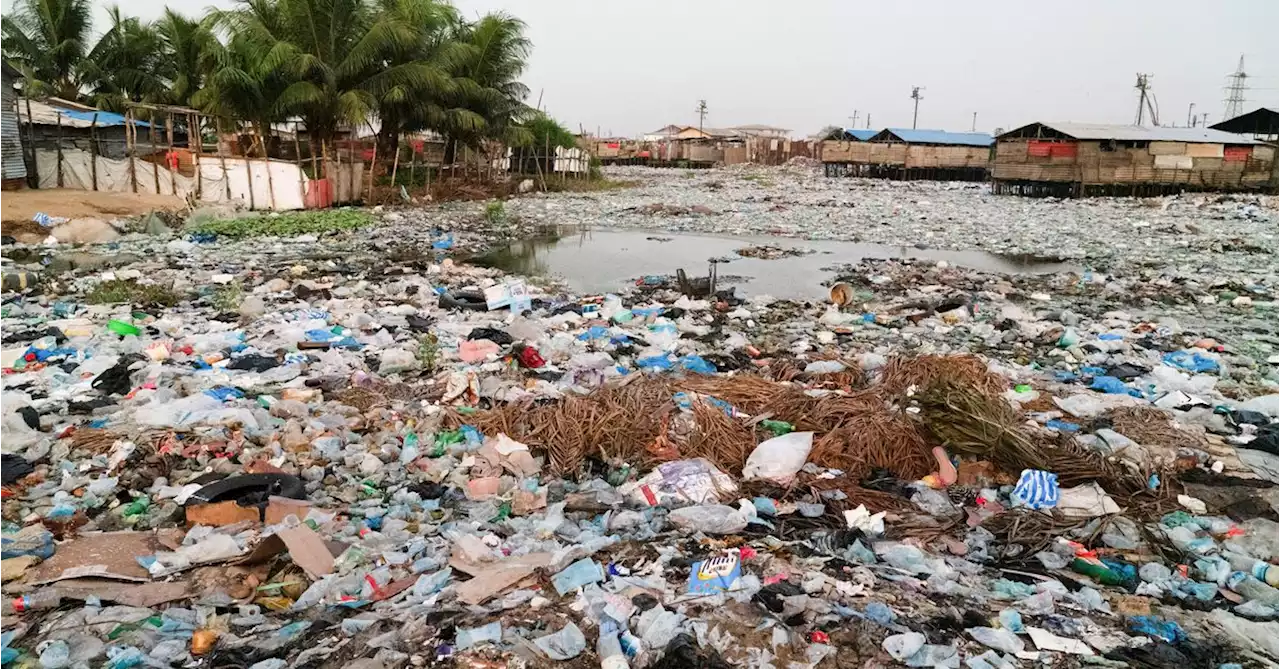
(17, 207)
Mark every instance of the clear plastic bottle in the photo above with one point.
(1263, 571)
(1254, 590)
(36, 601)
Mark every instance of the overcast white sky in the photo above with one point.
(630, 67)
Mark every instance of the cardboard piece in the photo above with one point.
(279, 508)
(1046, 640)
(490, 580)
(111, 555)
(219, 514)
(145, 595)
(306, 549)
(15, 568)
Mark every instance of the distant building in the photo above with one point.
(1075, 159)
(757, 130)
(904, 153)
(86, 128)
(1262, 123)
(11, 151)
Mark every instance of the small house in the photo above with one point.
(1077, 159)
(905, 153)
(11, 150)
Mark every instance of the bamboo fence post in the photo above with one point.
(297, 153)
(353, 183)
(426, 176)
(413, 165)
(311, 149)
(337, 150)
(248, 172)
(131, 146)
(266, 160)
(222, 158)
(151, 139)
(373, 167)
(93, 150)
(324, 157)
(193, 129)
(34, 177)
(395, 164)
(173, 167)
(58, 142)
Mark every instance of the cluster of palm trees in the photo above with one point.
(405, 65)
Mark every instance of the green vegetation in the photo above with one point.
(227, 298)
(758, 178)
(415, 65)
(495, 212)
(428, 351)
(557, 185)
(129, 291)
(287, 225)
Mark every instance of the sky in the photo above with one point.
(626, 68)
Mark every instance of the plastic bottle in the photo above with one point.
(1254, 590)
(1263, 571)
(609, 649)
(1098, 571)
(55, 655)
(37, 601)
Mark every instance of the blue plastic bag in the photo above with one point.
(1062, 425)
(1036, 489)
(695, 363)
(1152, 626)
(1113, 386)
(1190, 361)
(655, 362)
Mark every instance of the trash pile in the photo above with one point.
(351, 448)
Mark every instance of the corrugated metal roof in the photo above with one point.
(942, 137)
(45, 114)
(861, 134)
(1134, 133)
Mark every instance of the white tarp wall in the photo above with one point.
(573, 160)
(347, 178)
(243, 181)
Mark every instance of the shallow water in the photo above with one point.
(595, 261)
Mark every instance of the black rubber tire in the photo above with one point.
(251, 488)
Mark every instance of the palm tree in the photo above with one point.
(237, 85)
(187, 43)
(418, 91)
(127, 64)
(489, 79)
(47, 41)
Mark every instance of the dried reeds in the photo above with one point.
(1152, 426)
(923, 371)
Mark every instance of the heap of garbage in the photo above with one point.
(351, 448)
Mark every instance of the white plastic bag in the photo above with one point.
(778, 459)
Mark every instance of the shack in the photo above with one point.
(1083, 159)
(53, 122)
(11, 150)
(904, 153)
(1262, 123)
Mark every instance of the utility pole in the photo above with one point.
(1204, 119)
(974, 126)
(702, 114)
(915, 95)
(1235, 92)
(1144, 100)
(868, 120)
(853, 120)
(1191, 118)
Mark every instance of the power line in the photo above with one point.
(1235, 92)
(915, 95)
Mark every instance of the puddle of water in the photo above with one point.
(596, 261)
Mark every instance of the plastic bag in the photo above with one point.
(778, 459)
(709, 518)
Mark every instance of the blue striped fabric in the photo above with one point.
(1036, 489)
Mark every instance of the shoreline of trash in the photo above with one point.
(343, 447)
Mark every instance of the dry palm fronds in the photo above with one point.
(723, 440)
(877, 439)
(923, 371)
(93, 439)
(1152, 426)
(968, 422)
(361, 398)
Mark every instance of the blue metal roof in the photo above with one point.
(942, 137)
(105, 118)
(860, 134)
